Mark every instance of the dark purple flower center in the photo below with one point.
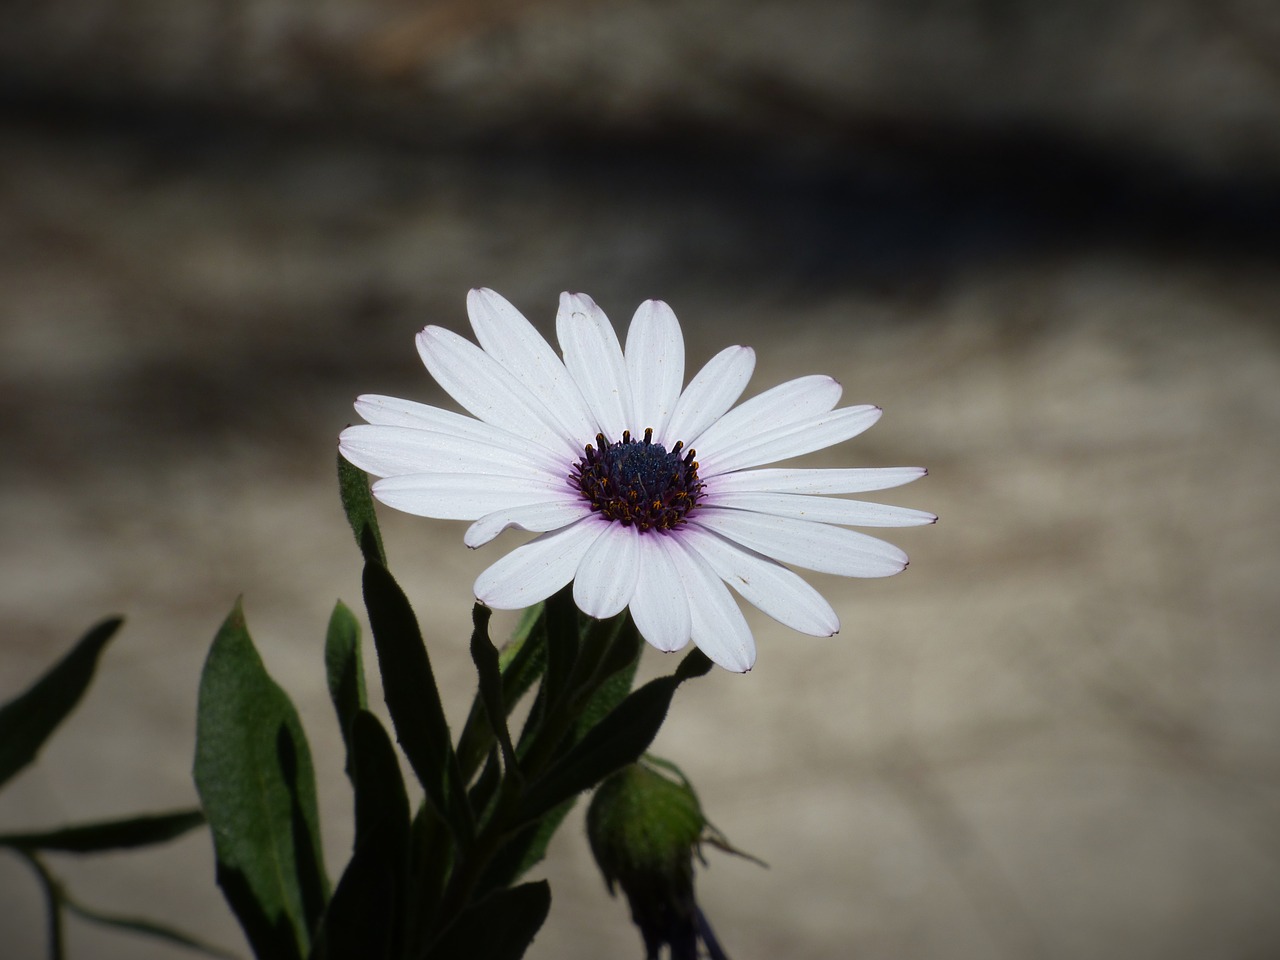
(638, 482)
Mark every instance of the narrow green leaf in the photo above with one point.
(499, 927)
(109, 834)
(254, 776)
(27, 720)
(409, 686)
(523, 660)
(620, 738)
(485, 656)
(357, 503)
(562, 643)
(345, 671)
(367, 913)
(431, 859)
(528, 846)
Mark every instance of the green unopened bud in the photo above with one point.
(645, 827)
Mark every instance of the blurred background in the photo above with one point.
(1043, 235)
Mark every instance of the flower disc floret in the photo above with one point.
(638, 483)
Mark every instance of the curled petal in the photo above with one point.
(539, 517)
(534, 571)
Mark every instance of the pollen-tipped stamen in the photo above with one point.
(638, 483)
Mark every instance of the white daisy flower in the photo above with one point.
(596, 452)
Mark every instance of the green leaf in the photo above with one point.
(109, 834)
(523, 660)
(409, 686)
(27, 720)
(357, 503)
(367, 913)
(620, 738)
(562, 643)
(499, 927)
(345, 671)
(485, 656)
(253, 772)
(528, 846)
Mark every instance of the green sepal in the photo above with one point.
(499, 927)
(28, 719)
(344, 669)
(109, 834)
(620, 738)
(357, 504)
(413, 699)
(366, 915)
(254, 776)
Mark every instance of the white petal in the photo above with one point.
(462, 496)
(803, 543)
(851, 480)
(779, 592)
(785, 404)
(660, 608)
(717, 625)
(713, 390)
(389, 451)
(606, 578)
(509, 338)
(792, 440)
(394, 412)
(655, 363)
(855, 513)
(538, 517)
(537, 569)
(486, 390)
(594, 358)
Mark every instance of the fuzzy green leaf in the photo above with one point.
(254, 775)
(367, 913)
(357, 503)
(485, 656)
(345, 671)
(109, 834)
(499, 927)
(620, 738)
(409, 686)
(27, 720)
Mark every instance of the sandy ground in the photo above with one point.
(1056, 735)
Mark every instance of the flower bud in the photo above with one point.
(645, 827)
